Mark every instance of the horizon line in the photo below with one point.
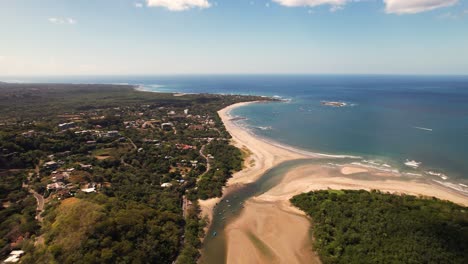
(236, 74)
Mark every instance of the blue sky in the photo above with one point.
(82, 37)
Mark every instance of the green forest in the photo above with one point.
(375, 227)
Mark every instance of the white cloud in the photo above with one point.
(179, 5)
(415, 6)
(312, 3)
(138, 5)
(56, 20)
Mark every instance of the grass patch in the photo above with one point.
(103, 152)
(246, 153)
(338, 192)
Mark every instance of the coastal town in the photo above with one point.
(163, 151)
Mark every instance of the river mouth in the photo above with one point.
(214, 246)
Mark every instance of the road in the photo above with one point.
(207, 160)
(40, 204)
(131, 142)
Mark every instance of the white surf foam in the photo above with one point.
(423, 128)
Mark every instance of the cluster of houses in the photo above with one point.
(63, 182)
(198, 122)
(60, 177)
(98, 133)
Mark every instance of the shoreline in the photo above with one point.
(274, 204)
(264, 155)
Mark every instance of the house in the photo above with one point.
(186, 111)
(63, 193)
(166, 185)
(57, 177)
(89, 190)
(167, 125)
(112, 133)
(51, 165)
(86, 166)
(55, 186)
(185, 146)
(14, 257)
(66, 125)
(29, 134)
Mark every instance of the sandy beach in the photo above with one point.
(269, 229)
(263, 155)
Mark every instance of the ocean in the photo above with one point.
(387, 120)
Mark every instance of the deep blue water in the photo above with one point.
(379, 124)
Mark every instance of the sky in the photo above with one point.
(145, 37)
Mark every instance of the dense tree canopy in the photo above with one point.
(374, 227)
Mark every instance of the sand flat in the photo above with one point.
(315, 177)
(348, 170)
(270, 232)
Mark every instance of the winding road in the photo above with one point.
(207, 159)
(40, 204)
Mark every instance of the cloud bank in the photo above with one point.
(311, 3)
(179, 5)
(391, 6)
(415, 6)
(56, 20)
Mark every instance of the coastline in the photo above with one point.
(291, 224)
(264, 157)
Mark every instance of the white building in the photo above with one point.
(14, 257)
